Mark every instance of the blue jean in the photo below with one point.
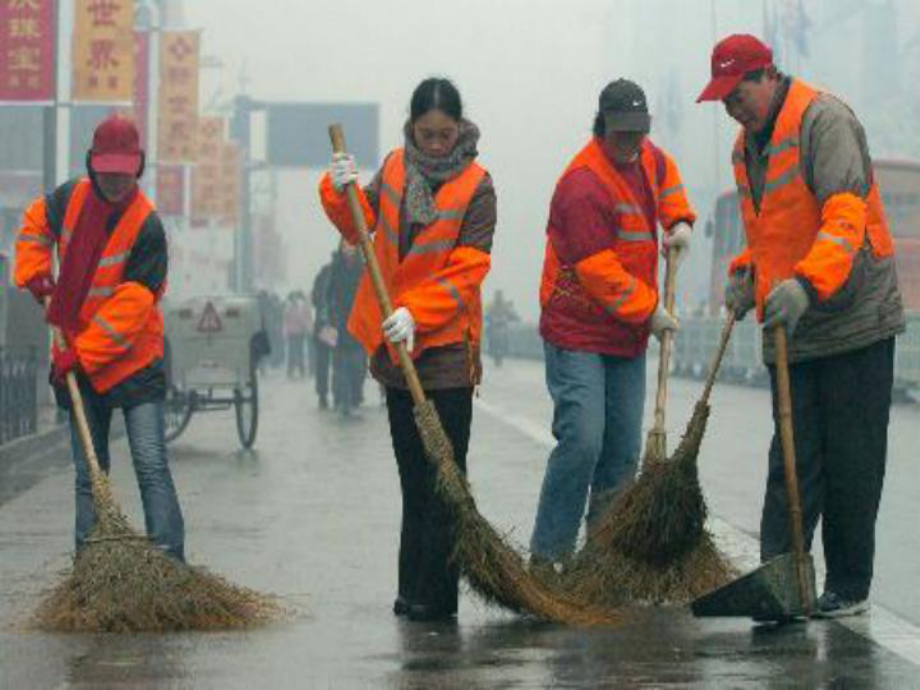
(597, 424)
(145, 427)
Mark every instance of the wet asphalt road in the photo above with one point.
(313, 515)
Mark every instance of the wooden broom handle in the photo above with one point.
(720, 353)
(337, 137)
(76, 402)
(667, 338)
(784, 405)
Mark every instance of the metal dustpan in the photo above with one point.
(783, 587)
(770, 593)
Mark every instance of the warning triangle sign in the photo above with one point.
(210, 320)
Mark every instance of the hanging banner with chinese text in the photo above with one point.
(103, 51)
(141, 95)
(27, 50)
(178, 100)
(206, 175)
(170, 190)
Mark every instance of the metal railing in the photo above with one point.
(18, 396)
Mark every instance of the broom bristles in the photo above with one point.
(121, 583)
(616, 579)
(662, 515)
(493, 568)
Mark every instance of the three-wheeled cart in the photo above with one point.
(213, 346)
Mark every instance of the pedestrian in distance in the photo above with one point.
(296, 326)
(433, 211)
(599, 303)
(111, 248)
(349, 363)
(819, 262)
(322, 337)
(500, 314)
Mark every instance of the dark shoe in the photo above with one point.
(323, 403)
(427, 612)
(832, 605)
(400, 607)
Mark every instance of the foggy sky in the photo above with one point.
(529, 72)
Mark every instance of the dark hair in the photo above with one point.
(436, 94)
(600, 125)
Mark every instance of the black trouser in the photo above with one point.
(840, 410)
(323, 360)
(349, 369)
(426, 572)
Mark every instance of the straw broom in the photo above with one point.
(492, 567)
(651, 544)
(662, 515)
(122, 583)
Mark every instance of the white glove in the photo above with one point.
(399, 327)
(662, 321)
(343, 170)
(677, 237)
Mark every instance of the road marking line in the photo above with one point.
(882, 626)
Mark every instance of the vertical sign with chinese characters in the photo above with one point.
(103, 51)
(178, 102)
(27, 50)
(141, 88)
(206, 175)
(170, 190)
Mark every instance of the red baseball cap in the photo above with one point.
(732, 58)
(116, 147)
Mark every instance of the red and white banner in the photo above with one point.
(27, 50)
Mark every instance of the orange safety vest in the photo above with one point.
(108, 354)
(636, 244)
(429, 254)
(793, 234)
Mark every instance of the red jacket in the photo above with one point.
(600, 276)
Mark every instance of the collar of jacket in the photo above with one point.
(756, 141)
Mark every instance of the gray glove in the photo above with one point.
(785, 305)
(661, 321)
(739, 293)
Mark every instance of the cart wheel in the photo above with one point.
(178, 412)
(246, 402)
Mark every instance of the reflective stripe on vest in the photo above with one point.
(428, 254)
(145, 345)
(788, 223)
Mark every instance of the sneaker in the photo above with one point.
(831, 605)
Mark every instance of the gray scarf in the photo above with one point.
(424, 172)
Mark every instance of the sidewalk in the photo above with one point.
(26, 460)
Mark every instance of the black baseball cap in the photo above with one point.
(623, 105)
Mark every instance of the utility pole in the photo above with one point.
(240, 130)
(50, 112)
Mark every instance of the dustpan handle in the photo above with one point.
(784, 406)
